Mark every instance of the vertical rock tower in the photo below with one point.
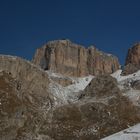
(132, 63)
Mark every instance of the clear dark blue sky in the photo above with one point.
(112, 25)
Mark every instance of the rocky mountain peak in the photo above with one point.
(132, 63)
(133, 55)
(56, 43)
(68, 58)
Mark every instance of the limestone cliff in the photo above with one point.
(65, 57)
(132, 63)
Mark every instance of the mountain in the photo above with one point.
(132, 63)
(67, 58)
(24, 98)
(40, 101)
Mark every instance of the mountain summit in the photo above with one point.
(65, 57)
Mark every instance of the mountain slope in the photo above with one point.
(38, 104)
(24, 99)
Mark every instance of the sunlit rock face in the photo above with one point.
(43, 105)
(63, 56)
(132, 63)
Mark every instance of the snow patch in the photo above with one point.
(119, 77)
(124, 83)
(69, 93)
(134, 96)
(132, 133)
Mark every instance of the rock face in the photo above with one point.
(132, 63)
(28, 110)
(70, 59)
(42, 105)
(108, 87)
(24, 99)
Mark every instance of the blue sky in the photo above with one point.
(112, 26)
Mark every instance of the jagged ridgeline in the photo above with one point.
(68, 93)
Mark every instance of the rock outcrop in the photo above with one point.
(132, 63)
(42, 105)
(24, 99)
(28, 110)
(100, 111)
(65, 57)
